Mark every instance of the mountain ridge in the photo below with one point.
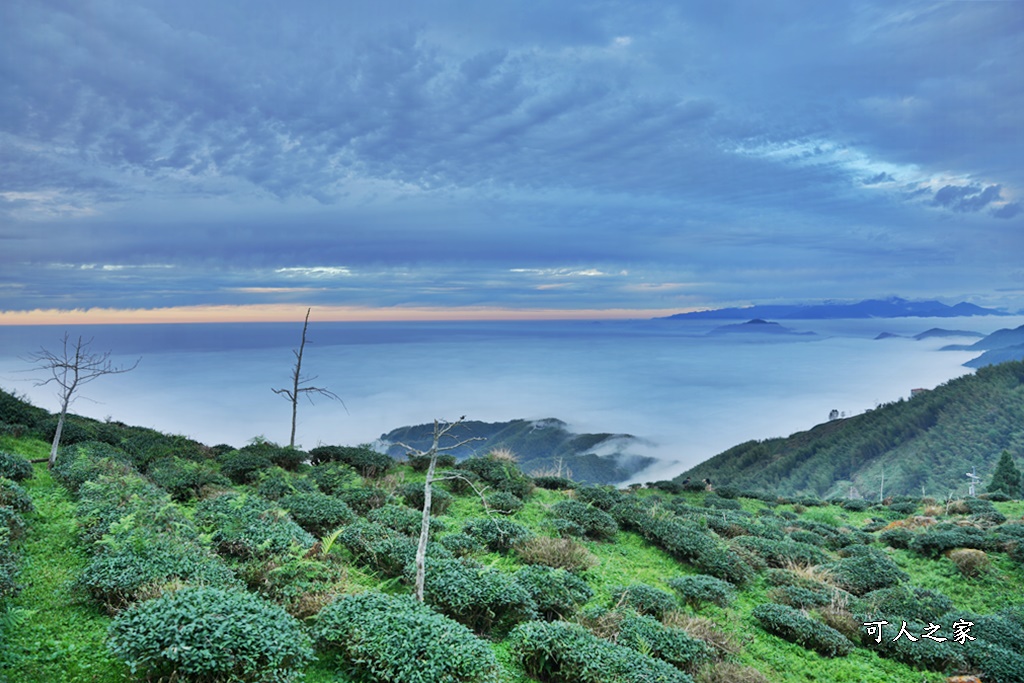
(894, 307)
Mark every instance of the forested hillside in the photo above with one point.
(923, 444)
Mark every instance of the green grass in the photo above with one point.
(63, 639)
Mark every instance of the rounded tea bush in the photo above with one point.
(394, 638)
(645, 599)
(793, 625)
(14, 467)
(317, 512)
(700, 588)
(208, 635)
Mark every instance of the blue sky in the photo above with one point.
(398, 159)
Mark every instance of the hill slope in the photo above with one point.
(929, 441)
(894, 307)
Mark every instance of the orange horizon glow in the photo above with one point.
(266, 313)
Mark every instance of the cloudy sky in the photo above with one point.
(187, 159)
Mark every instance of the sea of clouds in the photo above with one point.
(686, 395)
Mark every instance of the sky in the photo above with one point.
(191, 161)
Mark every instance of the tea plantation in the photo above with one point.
(142, 556)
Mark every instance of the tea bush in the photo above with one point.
(865, 572)
(644, 599)
(497, 535)
(210, 635)
(500, 474)
(317, 512)
(244, 466)
(584, 520)
(559, 553)
(413, 496)
(245, 525)
(421, 463)
(602, 497)
(14, 467)
(333, 478)
(554, 483)
(362, 499)
(560, 652)
(504, 503)
(363, 459)
(402, 519)
(922, 654)
(897, 538)
(185, 479)
(698, 589)
(648, 635)
(937, 540)
(276, 483)
(796, 627)
(910, 602)
(779, 553)
(14, 496)
(394, 638)
(82, 462)
(459, 544)
(556, 593)
(481, 598)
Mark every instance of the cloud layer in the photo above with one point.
(544, 155)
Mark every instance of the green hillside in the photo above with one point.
(144, 556)
(926, 443)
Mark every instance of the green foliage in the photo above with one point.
(779, 553)
(14, 496)
(82, 462)
(938, 539)
(602, 497)
(402, 519)
(793, 625)
(556, 593)
(317, 512)
(500, 474)
(497, 535)
(698, 589)
(504, 502)
(376, 546)
(276, 483)
(897, 537)
(14, 467)
(185, 479)
(554, 483)
(149, 565)
(459, 544)
(644, 599)
(481, 598)
(648, 635)
(394, 638)
(1006, 477)
(575, 518)
(421, 463)
(363, 459)
(335, 477)
(560, 652)
(865, 572)
(244, 466)
(362, 499)
(245, 525)
(208, 635)
(922, 654)
(413, 495)
(912, 602)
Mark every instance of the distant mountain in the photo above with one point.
(939, 332)
(871, 308)
(927, 442)
(757, 327)
(999, 347)
(540, 446)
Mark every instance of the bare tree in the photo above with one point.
(301, 385)
(442, 429)
(71, 367)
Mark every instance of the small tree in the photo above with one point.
(442, 429)
(1007, 477)
(71, 367)
(300, 385)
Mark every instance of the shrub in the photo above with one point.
(185, 479)
(317, 512)
(554, 483)
(382, 549)
(560, 553)
(648, 635)
(142, 570)
(923, 654)
(497, 535)
(910, 602)
(243, 466)
(81, 462)
(131, 502)
(363, 459)
(504, 502)
(460, 545)
(333, 478)
(700, 588)
(421, 463)
(794, 626)
(400, 518)
(302, 585)
(475, 596)
(413, 496)
(207, 635)
(897, 537)
(970, 562)
(937, 540)
(779, 553)
(555, 652)
(245, 525)
(645, 599)
(394, 638)
(602, 497)
(865, 572)
(556, 593)
(276, 483)
(362, 499)
(584, 520)
(14, 467)
(713, 500)
(14, 496)
(500, 473)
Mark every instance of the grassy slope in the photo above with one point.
(63, 640)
